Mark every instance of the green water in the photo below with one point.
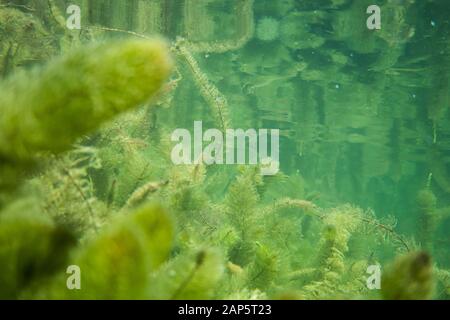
(364, 149)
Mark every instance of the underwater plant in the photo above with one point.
(410, 277)
(32, 248)
(67, 99)
(87, 181)
(118, 262)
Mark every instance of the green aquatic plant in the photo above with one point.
(426, 202)
(215, 99)
(25, 40)
(67, 194)
(117, 263)
(46, 110)
(241, 209)
(49, 117)
(339, 226)
(230, 233)
(264, 269)
(189, 276)
(409, 277)
(32, 249)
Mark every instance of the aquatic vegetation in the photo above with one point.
(426, 202)
(87, 180)
(193, 276)
(32, 249)
(410, 277)
(211, 94)
(62, 114)
(123, 254)
(24, 41)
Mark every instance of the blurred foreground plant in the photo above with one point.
(48, 109)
